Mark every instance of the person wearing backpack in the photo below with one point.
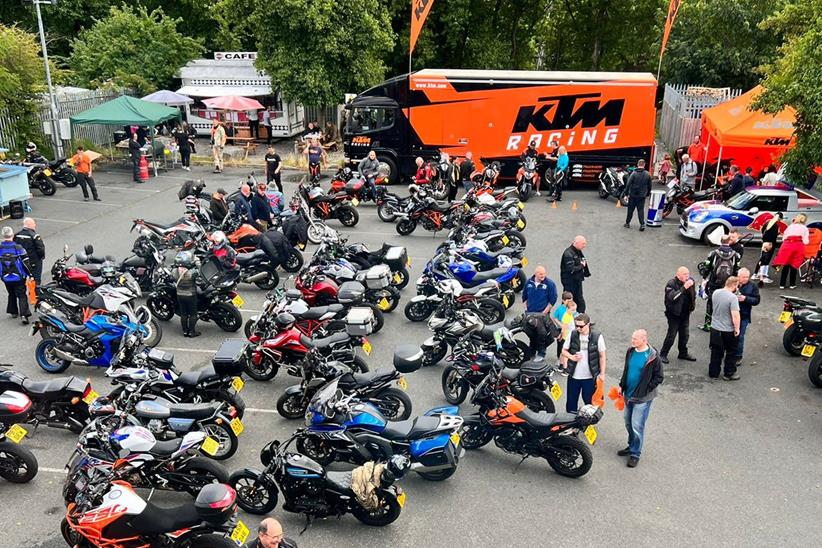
(720, 265)
(14, 269)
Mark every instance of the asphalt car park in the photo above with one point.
(724, 463)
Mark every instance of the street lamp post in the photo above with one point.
(55, 122)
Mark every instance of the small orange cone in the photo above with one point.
(554, 204)
(573, 206)
(619, 203)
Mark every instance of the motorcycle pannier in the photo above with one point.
(359, 321)
(350, 292)
(14, 407)
(378, 277)
(161, 359)
(407, 358)
(228, 360)
(216, 502)
(396, 254)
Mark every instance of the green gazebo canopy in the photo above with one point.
(126, 111)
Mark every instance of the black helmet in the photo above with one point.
(108, 270)
(395, 468)
(184, 259)
(284, 320)
(532, 144)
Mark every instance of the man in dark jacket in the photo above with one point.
(637, 189)
(748, 295)
(467, 167)
(34, 246)
(573, 269)
(640, 378)
(680, 300)
(14, 269)
(260, 208)
(135, 151)
(539, 296)
(270, 535)
(242, 206)
(737, 182)
(722, 263)
(276, 245)
(218, 206)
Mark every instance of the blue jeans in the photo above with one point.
(635, 416)
(586, 386)
(740, 341)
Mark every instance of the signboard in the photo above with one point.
(235, 55)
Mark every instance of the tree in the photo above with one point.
(22, 78)
(132, 48)
(793, 79)
(317, 50)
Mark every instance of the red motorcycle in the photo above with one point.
(73, 278)
(311, 321)
(353, 185)
(320, 290)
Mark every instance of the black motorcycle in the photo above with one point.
(394, 256)
(17, 464)
(486, 300)
(141, 265)
(63, 173)
(309, 489)
(612, 183)
(801, 318)
(59, 403)
(389, 204)
(40, 177)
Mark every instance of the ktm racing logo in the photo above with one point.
(564, 112)
(777, 141)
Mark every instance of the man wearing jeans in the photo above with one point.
(748, 297)
(640, 377)
(584, 356)
(725, 330)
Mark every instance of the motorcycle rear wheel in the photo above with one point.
(793, 340)
(270, 282)
(391, 295)
(568, 456)
(387, 513)
(393, 403)
(161, 307)
(69, 179)
(205, 471)
(226, 437)
(252, 497)
(539, 401)
(316, 230)
(490, 310)
(387, 212)
(291, 406)
(475, 435)
(379, 317)
(417, 311)
(405, 277)
(454, 388)
(438, 475)
(49, 363)
(227, 317)
(294, 262)
(17, 464)
(815, 370)
(47, 187)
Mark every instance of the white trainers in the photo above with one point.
(767, 280)
(539, 193)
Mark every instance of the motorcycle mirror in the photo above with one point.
(89, 249)
(65, 249)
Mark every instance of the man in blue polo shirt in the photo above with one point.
(539, 295)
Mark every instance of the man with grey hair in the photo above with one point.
(34, 246)
(270, 535)
(573, 269)
(680, 300)
(748, 297)
(725, 331)
(14, 269)
(640, 378)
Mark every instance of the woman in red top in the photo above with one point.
(792, 253)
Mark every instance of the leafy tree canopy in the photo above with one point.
(21, 78)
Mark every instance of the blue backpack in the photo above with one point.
(11, 267)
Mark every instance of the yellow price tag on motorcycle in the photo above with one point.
(520, 224)
(397, 278)
(514, 282)
(16, 433)
(237, 384)
(383, 304)
(238, 301)
(455, 438)
(210, 446)
(408, 262)
(401, 499)
(591, 434)
(524, 261)
(402, 383)
(236, 426)
(784, 317)
(366, 346)
(355, 201)
(90, 397)
(556, 391)
(240, 533)
(808, 350)
(301, 245)
(47, 172)
(505, 240)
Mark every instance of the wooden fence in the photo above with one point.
(682, 106)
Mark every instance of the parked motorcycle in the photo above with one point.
(527, 178)
(612, 181)
(318, 289)
(141, 265)
(482, 299)
(801, 318)
(17, 464)
(322, 320)
(683, 196)
(325, 207)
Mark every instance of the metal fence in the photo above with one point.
(323, 114)
(682, 106)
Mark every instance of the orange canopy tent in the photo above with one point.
(747, 138)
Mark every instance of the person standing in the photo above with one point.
(573, 269)
(748, 178)
(770, 233)
(185, 274)
(539, 295)
(585, 359)
(563, 317)
(270, 535)
(184, 146)
(219, 138)
(30, 240)
(725, 325)
(467, 167)
(135, 151)
(721, 263)
(243, 206)
(792, 253)
(680, 301)
(637, 189)
(560, 174)
(641, 376)
(14, 269)
(192, 136)
(748, 297)
(82, 165)
(217, 206)
(267, 125)
(260, 208)
(273, 166)
(736, 184)
(254, 123)
(316, 158)
(688, 173)
(276, 245)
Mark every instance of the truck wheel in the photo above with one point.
(388, 167)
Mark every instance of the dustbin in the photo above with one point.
(655, 207)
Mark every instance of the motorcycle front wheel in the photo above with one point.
(454, 388)
(294, 262)
(270, 282)
(439, 191)
(47, 186)
(387, 512)
(161, 307)
(224, 436)
(227, 317)
(393, 403)
(291, 406)
(348, 216)
(316, 449)
(253, 495)
(475, 435)
(387, 212)
(17, 464)
(418, 311)
(404, 278)
(405, 226)
(264, 371)
(435, 355)
(568, 456)
(316, 230)
(154, 333)
(48, 362)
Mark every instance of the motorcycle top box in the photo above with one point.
(378, 276)
(216, 502)
(160, 358)
(408, 358)
(14, 407)
(396, 253)
(359, 321)
(228, 360)
(350, 292)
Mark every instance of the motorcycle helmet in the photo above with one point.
(31, 147)
(347, 173)
(413, 189)
(284, 320)
(395, 468)
(184, 259)
(219, 239)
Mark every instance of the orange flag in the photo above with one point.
(419, 11)
(673, 10)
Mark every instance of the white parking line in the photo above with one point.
(258, 410)
(52, 470)
(82, 202)
(56, 220)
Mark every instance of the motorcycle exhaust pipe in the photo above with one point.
(68, 357)
(258, 277)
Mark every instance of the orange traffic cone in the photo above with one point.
(554, 204)
(619, 203)
(143, 169)
(573, 206)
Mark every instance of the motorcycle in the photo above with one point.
(376, 280)
(62, 171)
(185, 233)
(318, 289)
(142, 265)
(389, 204)
(40, 177)
(17, 464)
(394, 256)
(683, 196)
(59, 403)
(426, 211)
(244, 238)
(527, 178)
(481, 299)
(353, 184)
(326, 207)
(612, 183)
(321, 320)
(801, 318)
(516, 429)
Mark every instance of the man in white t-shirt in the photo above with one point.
(585, 359)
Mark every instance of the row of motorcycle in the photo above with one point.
(802, 336)
(44, 174)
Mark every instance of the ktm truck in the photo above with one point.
(601, 118)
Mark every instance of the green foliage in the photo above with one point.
(795, 79)
(132, 48)
(21, 78)
(317, 50)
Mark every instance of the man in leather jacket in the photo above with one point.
(31, 241)
(573, 270)
(637, 188)
(270, 535)
(369, 169)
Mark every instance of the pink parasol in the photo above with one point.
(233, 102)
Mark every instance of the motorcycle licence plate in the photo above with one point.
(366, 346)
(505, 240)
(784, 317)
(514, 282)
(384, 304)
(521, 205)
(808, 350)
(524, 261)
(91, 397)
(47, 172)
(455, 438)
(520, 224)
(238, 301)
(240, 533)
(237, 384)
(591, 434)
(397, 278)
(355, 201)
(16, 433)
(505, 301)
(210, 446)
(556, 391)
(236, 426)
(402, 383)
(401, 499)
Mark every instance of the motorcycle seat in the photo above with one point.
(378, 375)
(193, 378)
(411, 429)
(134, 261)
(506, 251)
(509, 373)
(323, 198)
(331, 340)
(492, 274)
(340, 481)
(247, 258)
(80, 300)
(160, 226)
(53, 389)
(354, 186)
(154, 520)
(73, 327)
(176, 410)
(477, 288)
(317, 312)
(543, 419)
(166, 448)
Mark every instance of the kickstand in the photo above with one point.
(520, 462)
(307, 524)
